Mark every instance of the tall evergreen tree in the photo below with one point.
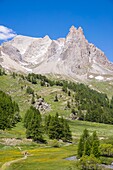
(33, 100)
(87, 147)
(67, 136)
(34, 128)
(47, 122)
(88, 144)
(56, 98)
(95, 145)
(51, 129)
(9, 111)
(28, 116)
(59, 129)
(82, 142)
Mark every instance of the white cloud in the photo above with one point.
(6, 33)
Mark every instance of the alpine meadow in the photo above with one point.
(56, 85)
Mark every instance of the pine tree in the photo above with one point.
(28, 116)
(47, 122)
(56, 98)
(85, 134)
(67, 136)
(68, 104)
(14, 75)
(33, 80)
(51, 129)
(87, 147)
(32, 100)
(29, 90)
(69, 93)
(34, 128)
(9, 111)
(58, 128)
(88, 144)
(80, 147)
(95, 145)
(82, 141)
(64, 88)
(0, 72)
(111, 103)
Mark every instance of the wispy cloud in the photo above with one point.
(6, 33)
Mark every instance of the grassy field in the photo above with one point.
(43, 156)
(46, 159)
(105, 87)
(8, 153)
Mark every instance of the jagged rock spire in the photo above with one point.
(73, 29)
(72, 56)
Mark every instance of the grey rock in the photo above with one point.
(11, 51)
(72, 56)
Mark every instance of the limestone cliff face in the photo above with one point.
(72, 56)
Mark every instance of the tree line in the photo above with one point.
(9, 111)
(54, 127)
(90, 105)
(88, 151)
(92, 153)
(2, 72)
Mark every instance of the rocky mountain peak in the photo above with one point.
(80, 30)
(75, 35)
(47, 38)
(73, 29)
(72, 56)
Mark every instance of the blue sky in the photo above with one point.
(38, 18)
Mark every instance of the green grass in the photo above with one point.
(105, 87)
(43, 157)
(13, 87)
(8, 153)
(103, 130)
(46, 159)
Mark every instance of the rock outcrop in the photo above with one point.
(72, 56)
(42, 106)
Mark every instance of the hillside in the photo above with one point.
(13, 141)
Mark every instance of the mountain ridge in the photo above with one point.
(72, 56)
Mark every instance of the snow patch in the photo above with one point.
(28, 69)
(91, 76)
(99, 78)
(58, 59)
(109, 79)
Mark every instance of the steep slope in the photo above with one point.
(72, 56)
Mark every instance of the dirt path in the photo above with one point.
(5, 165)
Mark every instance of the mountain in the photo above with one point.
(73, 56)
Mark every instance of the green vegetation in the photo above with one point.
(9, 112)
(92, 154)
(57, 128)
(64, 98)
(91, 105)
(44, 158)
(89, 163)
(89, 151)
(2, 72)
(88, 145)
(32, 122)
